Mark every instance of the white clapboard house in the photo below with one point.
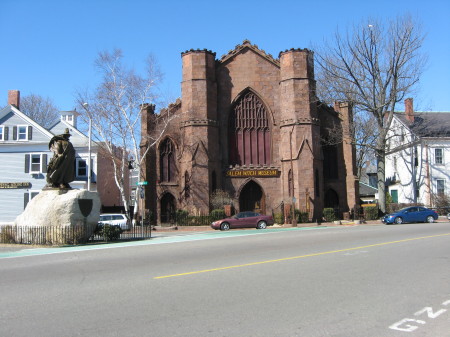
(24, 155)
(418, 159)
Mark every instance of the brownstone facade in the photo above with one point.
(251, 125)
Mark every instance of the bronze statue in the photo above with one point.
(61, 168)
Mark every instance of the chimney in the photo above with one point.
(337, 106)
(14, 98)
(409, 110)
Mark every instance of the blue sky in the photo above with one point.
(49, 47)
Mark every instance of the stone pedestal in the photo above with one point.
(59, 216)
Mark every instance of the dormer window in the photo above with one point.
(70, 117)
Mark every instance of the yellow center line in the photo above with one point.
(298, 257)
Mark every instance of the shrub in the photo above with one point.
(217, 214)
(278, 218)
(109, 232)
(442, 203)
(328, 214)
(371, 213)
(181, 216)
(301, 217)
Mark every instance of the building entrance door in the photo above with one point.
(252, 198)
(167, 208)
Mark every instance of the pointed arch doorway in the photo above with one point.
(252, 198)
(167, 208)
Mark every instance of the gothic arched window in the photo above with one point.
(330, 162)
(249, 132)
(167, 161)
(187, 185)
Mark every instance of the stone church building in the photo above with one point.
(251, 125)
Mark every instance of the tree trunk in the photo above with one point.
(381, 177)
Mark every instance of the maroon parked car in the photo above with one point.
(244, 220)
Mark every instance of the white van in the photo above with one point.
(115, 220)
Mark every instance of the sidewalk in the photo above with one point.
(310, 224)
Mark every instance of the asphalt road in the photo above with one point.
(341, 281)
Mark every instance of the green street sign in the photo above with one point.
(142, 183)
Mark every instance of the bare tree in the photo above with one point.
(115, 107)
(373, 65)
(365, 140)
(40, 109)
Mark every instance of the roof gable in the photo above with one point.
(78, 139)
(246, 45)
(10, 109)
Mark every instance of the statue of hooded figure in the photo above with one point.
(61, 168)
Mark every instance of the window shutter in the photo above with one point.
(44, 163)
(15, 133)
(26, 198)
(30, 132)
(6, 131)
(27, 163)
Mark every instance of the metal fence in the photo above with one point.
(69, 235)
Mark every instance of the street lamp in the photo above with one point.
(86, 106)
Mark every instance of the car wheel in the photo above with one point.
(261, 225)
(430, 219)
(224, 226)
(398, 220)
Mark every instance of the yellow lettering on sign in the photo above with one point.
(252, 173)
(15, 185)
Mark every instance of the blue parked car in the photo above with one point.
(411, 214)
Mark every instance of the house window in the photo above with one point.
(3, 132)
(81, 168)
(36, 163)
(22, 132)
(440, 186)
(438, 156)
(28, 196)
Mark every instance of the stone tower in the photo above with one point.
(199, 161)
(300, 129)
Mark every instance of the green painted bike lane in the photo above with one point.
(158, 239)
